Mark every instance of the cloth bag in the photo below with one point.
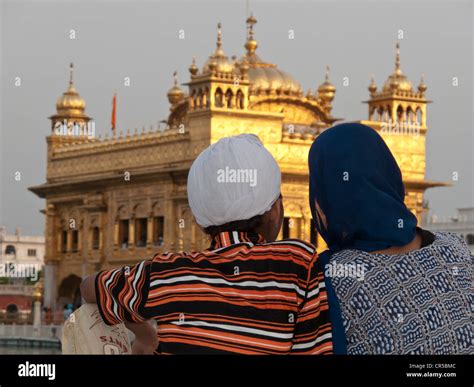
(84, 332)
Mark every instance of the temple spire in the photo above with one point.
(251, 44)
(397, 60)
(71, 74)
(219, 36)
(326, 78)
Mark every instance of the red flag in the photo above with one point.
(114, 111)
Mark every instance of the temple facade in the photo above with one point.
(113, 201)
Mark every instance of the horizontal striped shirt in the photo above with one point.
(242, 296)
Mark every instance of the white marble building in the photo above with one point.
(21, 249)
(462, 224)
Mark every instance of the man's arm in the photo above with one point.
(146, 340)
(313, 326)
(88, 289)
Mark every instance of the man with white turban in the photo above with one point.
(234, 185)
(247, 293)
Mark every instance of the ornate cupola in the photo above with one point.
(326, 92)
(70, 109)
(398, 101)
(222, 82)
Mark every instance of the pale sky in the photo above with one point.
(140, 40)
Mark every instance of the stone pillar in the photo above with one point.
(149, 230)
(306, 229)
(294, 228)
(170, 225)
(131, 232)
(37, 318)
(50, 285)
(69, 240)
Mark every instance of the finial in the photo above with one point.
(422, 86)
(326, 78)
(397, 60)
(219, 36)
(193, 69)
(372, 86)
(175, 78)
(251, 44)
(71, 73)
(250, 23)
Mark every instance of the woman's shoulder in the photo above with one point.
(451, 246)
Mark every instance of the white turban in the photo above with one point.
(234, 179)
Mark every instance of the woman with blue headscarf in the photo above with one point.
(393, 288)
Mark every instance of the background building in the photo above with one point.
(113, 201)
(461, 224)
(16, 293)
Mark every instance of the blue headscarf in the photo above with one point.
(358, 186)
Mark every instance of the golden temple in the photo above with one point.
(115, 200)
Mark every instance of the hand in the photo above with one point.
(141, 348)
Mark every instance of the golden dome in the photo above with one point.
(265, 77)
(326, 90)
(175, 94)
(372, 87)
(422, 86)
(218, 61)
(397, 81)
(70, 103)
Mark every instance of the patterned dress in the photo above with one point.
(415, 303)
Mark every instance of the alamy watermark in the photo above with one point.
(345, 270)
(19, 270)
(232, 175)
(66, 128)
(401, 128)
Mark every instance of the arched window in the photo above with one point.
(10, 249)
(199, 99)
(219, 97)
(409, 114)
(229, 96)
(240, 99)
(12, 309)
(380, 113)
(95, 238)
(418, 116)
(400, 113)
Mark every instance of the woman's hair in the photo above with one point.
(238, 225)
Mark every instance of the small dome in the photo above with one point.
(422, 86)
(175, 94)
(372, 87)
(218, 61)
(397, 81)
(220, 64)
(70, 103)
(326, 90)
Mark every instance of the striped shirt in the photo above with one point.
(241, 296)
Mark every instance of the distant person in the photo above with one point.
(245, 294)
(393, 287)
(68, 309)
